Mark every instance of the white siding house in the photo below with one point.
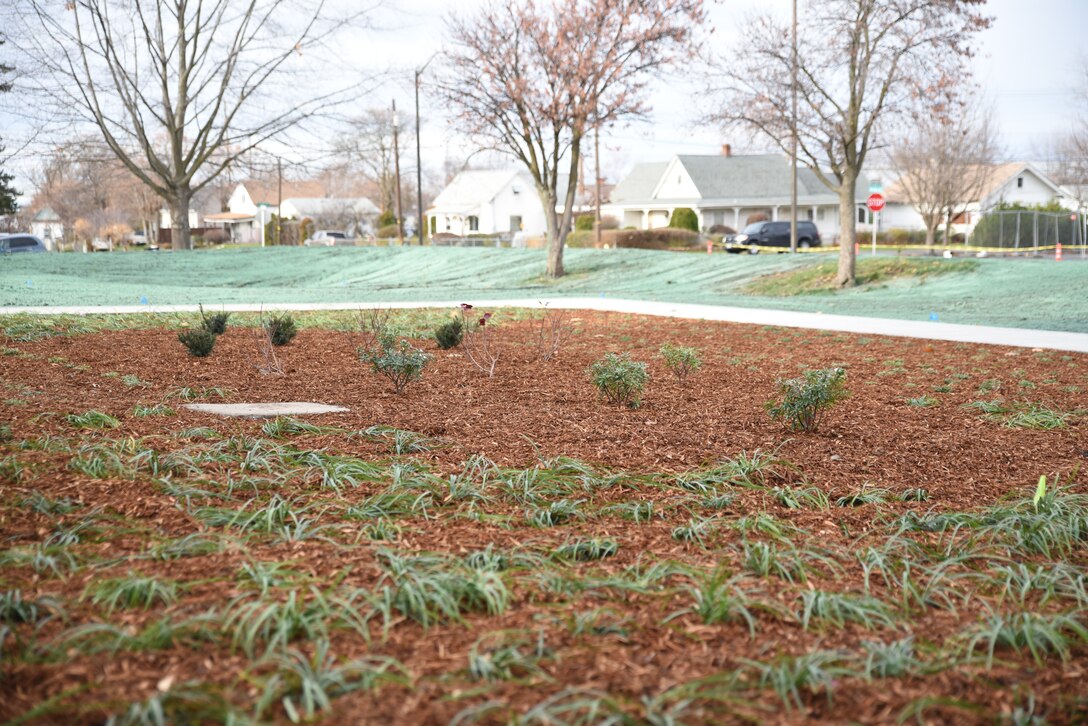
(1013, 183)
(725, 190)
(47, 227)
(487, 202)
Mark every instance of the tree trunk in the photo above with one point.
(181, 237)
(847, 232)
(931, 234)
(555, 240)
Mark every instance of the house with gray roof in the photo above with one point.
(726, 190)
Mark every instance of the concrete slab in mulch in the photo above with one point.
(264, 410)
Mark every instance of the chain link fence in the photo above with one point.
(1029, 231)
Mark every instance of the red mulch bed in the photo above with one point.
(532, 410)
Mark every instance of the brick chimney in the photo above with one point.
(727, 150)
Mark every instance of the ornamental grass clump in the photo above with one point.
(400, 363)
(681, 361)
(805, 399)
(619, 379)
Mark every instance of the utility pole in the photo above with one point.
(597, 193)
(793, 141)
(279, 197)
(396, 168)
(419, 158)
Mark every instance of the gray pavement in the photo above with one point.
(928, 330)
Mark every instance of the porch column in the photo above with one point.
(645, 218)
(736, 218)
(774, 214)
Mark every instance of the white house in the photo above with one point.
(47, 227)
(1013, 183)
(252, 204)
(488, 202)
(726, 190)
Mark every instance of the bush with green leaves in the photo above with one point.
(216, 323)
(684, 218)
(401, 363)
(448, 335)
(619, 379)
(198, 342)
(803, 400)
(281, 329)
(681, 361)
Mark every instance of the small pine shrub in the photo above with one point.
(216, 323)
(805, 399)
(681, 361)
(281, 329)
(199, 342)
(449, 334)
(400, 364)
(619, 379)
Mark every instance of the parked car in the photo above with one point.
(326, 238)
(772, 234)
(21, 243)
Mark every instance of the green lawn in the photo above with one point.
(1017, 293)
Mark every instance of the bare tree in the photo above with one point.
(8, 196)
(532, 80)
(369, 144)
(945, 163)
(862, 65)
(177, 88)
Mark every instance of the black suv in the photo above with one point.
(773, 234)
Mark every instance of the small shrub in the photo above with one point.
(281, 329)
(388, 231)
(448, 335)
(681, 361)
(619, 379)
(216, 323)
(400, 364)
(804, 399)
(584, 222)
(684, 218)
(198, 342)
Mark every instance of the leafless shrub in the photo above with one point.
(554, 329)
(373, 327)
(479, 340)
(268, 363)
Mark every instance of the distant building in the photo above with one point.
(1013, 183)
(728, 191)
(48, 227)
(253, 204)
(487, 202)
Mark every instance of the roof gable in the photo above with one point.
(677, 182)
(473, 188)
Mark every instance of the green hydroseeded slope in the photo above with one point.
(1040, 294)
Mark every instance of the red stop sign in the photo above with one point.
(876, 202)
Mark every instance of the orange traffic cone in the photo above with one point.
(1058, 253)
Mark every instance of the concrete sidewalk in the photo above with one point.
(1020, 337)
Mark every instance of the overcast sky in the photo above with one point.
(1030, 65)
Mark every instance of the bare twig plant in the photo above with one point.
(373, 327)
(555, 328)
(268, 362)
(479, 340)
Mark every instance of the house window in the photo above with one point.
(811, 215)
(473, 224)
(863, 215)
(1019, 182)
(515, 223)
(820, 214)
(516, 189)
(447, 224)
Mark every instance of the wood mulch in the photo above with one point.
(532, 409)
